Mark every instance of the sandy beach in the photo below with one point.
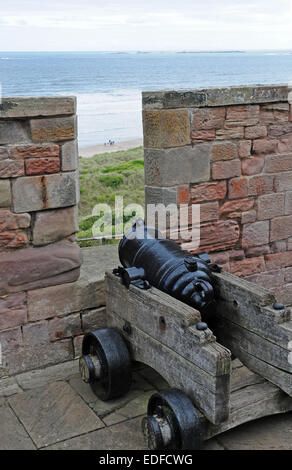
(87, 152)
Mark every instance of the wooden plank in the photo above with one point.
(144, 309)
(252, 398)
(209, 393)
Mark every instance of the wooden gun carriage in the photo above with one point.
(209, 392)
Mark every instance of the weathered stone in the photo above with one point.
(279, 130)
(13, 239)
(270, 205)
(34, 193)
(10, 339)
(203, 136)
(278, 260)
(9, 387)
(209, 191)
(219, 235)
(243, 115)
(285, 145)
(278, 163)
(237, 206)
(94, 319)
(54, 225)
(34, 151)
(256, 234)
(256, 251)
(15, 107)
(167, 128)
(10, 221)
(260, 184)
(208, 118)
(69, 155)
(279, 246)
(69, 416)
(233, 133)
(177, 166)
(252, 166)
(238, 188)
(77, 344)
(209, 211)
(256, 132)
(40, 377)
(263, 146)
(5, 194)
(13, 132)
(224, 151)
(87, 293)
(225, 170)
(248, 217)
(244, 148)
(183, 194)
(288, 203)
(12, 318)
(283, 182)
(12, 434)
(42, 166)
(247, 267)
(11, 168)
(288, 275)
(12, 301)
(66, 327)
(53, 129)
(268, 279)
(39, 267)
(281, 228)
(156, 195)
(4, 153)
(35, 334)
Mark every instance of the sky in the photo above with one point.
(104, 25)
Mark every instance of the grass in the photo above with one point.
(105, 176)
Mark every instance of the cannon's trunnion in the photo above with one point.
(209, 393)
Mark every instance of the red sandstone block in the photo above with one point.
(268, 279)
(233, 133)
(281, 228)
(13, 239)
(34, 151)
(12, 318)
(264, 146)
(183, 194)
(11, 168)
(255, 132)
(247, 267)
(256, 234)
(244, 148)
(260, 184)
(252, 166)
(280, 130)
(4, 153)
(290, 113)
(10, 221)
(35, 333)
(236, 255)
(248, 217)
(66, 327)
(237, 188)
(224, 151)
(278, 260)
(288, 274)
(208, 118)
(278, 163)
(209, 211)
(222, 257)
(219, 235)
(247, 115)
(237, 206)
(255, 251)
(13, 301)
(288, 203)
(226, 170)
(279, 246)
(208, 191)
(42, 166)
(271, 205)
(283, 181)
(285, 145)
(10, 339)
(202, 136)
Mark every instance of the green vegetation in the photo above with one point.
(102, 178)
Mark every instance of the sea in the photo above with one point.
(108, 85)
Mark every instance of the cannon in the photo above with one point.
(148, 259)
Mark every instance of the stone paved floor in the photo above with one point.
(38, 413)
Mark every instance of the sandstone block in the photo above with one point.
(255, 234)
(270, 206)
(224, 151)
(252, 166)
(225, 170)
(13, 301)
(244, 148)
(260, 184)
(279, 260)
(247, 115)
(53, 129)
(288, 203)
(15, 107)
(278, 163)
(10, 221)
(283, 182)
(40, 377)
(183, 194)
(279, 246)
(77, 344)
(156, 195)
(285, 145)
(54, 225)
(13, 239)
(248, 217)
(35, 193)
(12, 318)
(11, 169)
(256, 251)
(209, 211)
(233, 133)
(280, 130)
(5, 194)
(4, 153)
(264, 146)
(288, 275)
(208, 118)
(202, 136)
(219, 235)
(66, 327)
(69, 155)
(247, 267)
(13, 132)
(281, 228)
(166, 128)
(238, 188)
(177, 166)
(94, 319)
(42, 166)
(35, 334)
(241, 205)
(269, 279)
(10, 340)
(34, 151)
(256, 132)
(208, 191)
(33, 268)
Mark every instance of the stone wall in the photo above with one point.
(39, 194)
(229, 150)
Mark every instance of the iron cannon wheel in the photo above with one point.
(172, 422)
(108, 350)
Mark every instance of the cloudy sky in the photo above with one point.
(59, 25)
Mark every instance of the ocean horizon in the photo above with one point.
(108, 84)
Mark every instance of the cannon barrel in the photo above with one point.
(148, 258)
